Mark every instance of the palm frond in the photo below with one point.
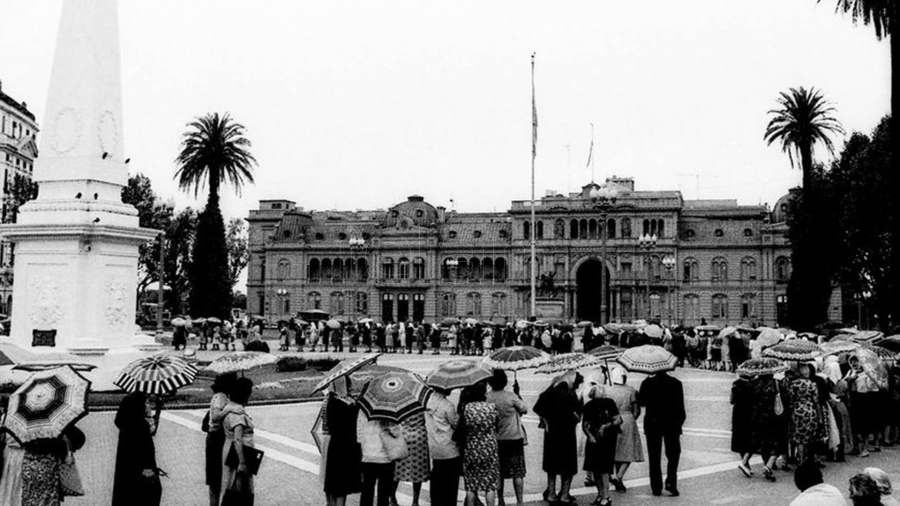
(803, 120)
(875, 13)
(214, 150)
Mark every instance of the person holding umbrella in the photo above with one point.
(510, 434)
(441, 420)
(238, 427)
(341, 471)
(215, 437)
(136, 479)
(628, 442)
(560, 412)
(755, 410)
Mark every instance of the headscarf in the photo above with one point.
(881, 479)
(132, 412)
(832, 369)
(596, 392)
(617, 376)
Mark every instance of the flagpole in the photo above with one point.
(533, 156)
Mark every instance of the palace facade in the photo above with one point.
(639, 255)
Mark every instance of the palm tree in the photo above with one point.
(803, 120)
(214, 151)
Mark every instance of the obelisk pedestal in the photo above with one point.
(76, 245)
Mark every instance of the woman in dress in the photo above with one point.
(238, 429)
(560, 412)
(41, 467)
(741, 407)
(864, 398)
(760, 425)
(838, 401)
(416, 467)
(215, 438)
(136, 481)
(341, 471)
(481, 465)
(377, 467)
(510, 434)
(600, 422)
(628, 442)
(11, 468)
(804, 428)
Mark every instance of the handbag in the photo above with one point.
(395, 446)
(252, 457)
(239, 492)
(69, 477)
(779, 406)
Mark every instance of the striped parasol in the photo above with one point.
(344, 368)
(457, 374)
(567, 362)
(761, 366)
(394, 396)
(47, 403)
(794, 349)
(516, 358)
(648, 359)
(159, 374)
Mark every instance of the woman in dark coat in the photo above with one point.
(136, 482)
(601, 426)
(342, 466)
(560, 412)
(741, 398)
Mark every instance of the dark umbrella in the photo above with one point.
(47, 403)
(891, 343)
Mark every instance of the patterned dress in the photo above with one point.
(804, 412)
(481, 463)
(416, 468)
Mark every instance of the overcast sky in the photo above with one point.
(359, 104)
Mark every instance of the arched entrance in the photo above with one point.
(587, 280)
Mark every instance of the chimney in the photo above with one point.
(441, 214)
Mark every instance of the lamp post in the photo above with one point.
(669, 263)
(164, 206)
(647, 242)
(282, 293)
(604, 198)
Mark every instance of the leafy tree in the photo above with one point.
(214, 151)
(803, 120)
(21, 191)
(238, 248)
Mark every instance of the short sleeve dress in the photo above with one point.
(481, 462)
(236, 417)
(416, 468)
(628, 444)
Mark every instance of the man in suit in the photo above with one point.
(663, 399)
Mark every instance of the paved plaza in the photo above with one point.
(289, 475)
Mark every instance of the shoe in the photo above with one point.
(568, 500)
(591, 483)
(768, 474)
(617, 483)
(672, 491)
(657, 492)
(876, 449)
(744, 468)
(863, 455)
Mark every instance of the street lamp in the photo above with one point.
(166, 207)
(647, 242)
(282, 293)
(669, 263)
(604, 198)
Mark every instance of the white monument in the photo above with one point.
(76, 245)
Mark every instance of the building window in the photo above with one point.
(387, 268)
(782, 269)
(720, 306)
(419, 268)
(448, 304)
(313, 270)
(473, 304)
(583, 229)
(626, 228)
(362, 303)
(261, 300)
(503, 234)
(498, 304)
(748, 306)
(655, 305)
(418, 307)
(337, 303)
(592, 229)
(690, 233)
(781, 308)
(283, 271)
(719, 232)
(362, 268)
(403, 268)
(500, 270)
(387, 307)
(559, 229)
(420, 213)
(748, 232)
(320, 236)
(692, 308)
(342, 236)
(626, 267)
(573, 229)
(476, 234)
(539, 228)
(314, 300)
(287, 305)
(719, 269)
(691, 270)
(452, 234)
(748, 269)
(286, 234)
(610, 228)
(526, 230)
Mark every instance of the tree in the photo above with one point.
(881, 15)
(21, 191)
(214, 151)
(802, 121)
(238, 249)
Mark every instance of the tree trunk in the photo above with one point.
(894, 182)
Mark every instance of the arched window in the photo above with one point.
(719, 269)
(447, 302)
(782, 269)
(487, 266)
(573, 229)
(337, 268)
(610, 228)
(526, 229)
(313, 270)
(646, 227)
(475, 269)
(626, 228)
(692, 308)
(592, 229)
(362, 267)
(720, 306)
(539, 227)
(655, 267)
(748, 306)
(660, 228)
(403, 268)
(462, 268)
(583, 229)
(748, 269)
(419, 268)
(314, 300)
(337, 303)
(500, 270)
(326, 269)
(473, 304)
(387, 268)
(691, 270)
(559, 229)
(349, 269)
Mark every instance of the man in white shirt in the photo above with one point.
(441, 419)
(814, 492)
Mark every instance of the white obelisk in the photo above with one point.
(76, 245)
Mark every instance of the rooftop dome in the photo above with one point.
(415, 211)
(780, 211)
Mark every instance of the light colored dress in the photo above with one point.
(236, 416)
(11, 473)
(628, 444)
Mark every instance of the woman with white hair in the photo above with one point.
(600, 425)
(884, 485)
(628, 444)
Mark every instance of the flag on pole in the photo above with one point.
(534, 118)
(591, 149)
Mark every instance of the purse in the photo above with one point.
(252, 457)
(69, 477)
(779, 406)
(395, 446)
